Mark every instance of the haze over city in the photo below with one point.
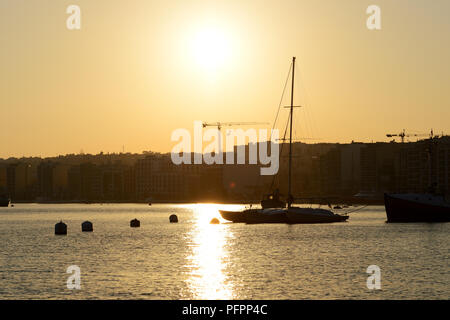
(136, 71)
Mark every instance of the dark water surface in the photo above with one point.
(196, 260)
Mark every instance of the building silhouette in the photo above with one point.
(319, 170)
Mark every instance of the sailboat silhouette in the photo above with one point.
(281, 214)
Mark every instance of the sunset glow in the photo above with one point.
(174, 153)
(132, 74)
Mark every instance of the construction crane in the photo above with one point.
(404, 135)
(219, 125)
(299, 139)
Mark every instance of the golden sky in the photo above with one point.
(137, 70)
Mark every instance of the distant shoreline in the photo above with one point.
(339, 201)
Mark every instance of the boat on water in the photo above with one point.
(416, 207)
(292, 215)
(431, 206)
(273, 209)
(4, 201)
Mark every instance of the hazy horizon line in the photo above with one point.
(143, 152)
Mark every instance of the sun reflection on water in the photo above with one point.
(209, 258)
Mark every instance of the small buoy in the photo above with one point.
(61, 228)
(214, 221)
(173, 218)
(87, 226)
(135, 223)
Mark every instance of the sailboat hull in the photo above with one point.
(233, 216)
(255, 216)
(266, 216)
(310, 218)
(289, 216)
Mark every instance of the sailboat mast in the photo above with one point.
(290, 134)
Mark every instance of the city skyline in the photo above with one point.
(353, 172)
(132, 75)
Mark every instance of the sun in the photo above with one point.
(211, 48)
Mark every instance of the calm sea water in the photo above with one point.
(196, 260)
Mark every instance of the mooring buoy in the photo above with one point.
(214, 221)
(87, 226)
(135, 223)
(61, 228)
